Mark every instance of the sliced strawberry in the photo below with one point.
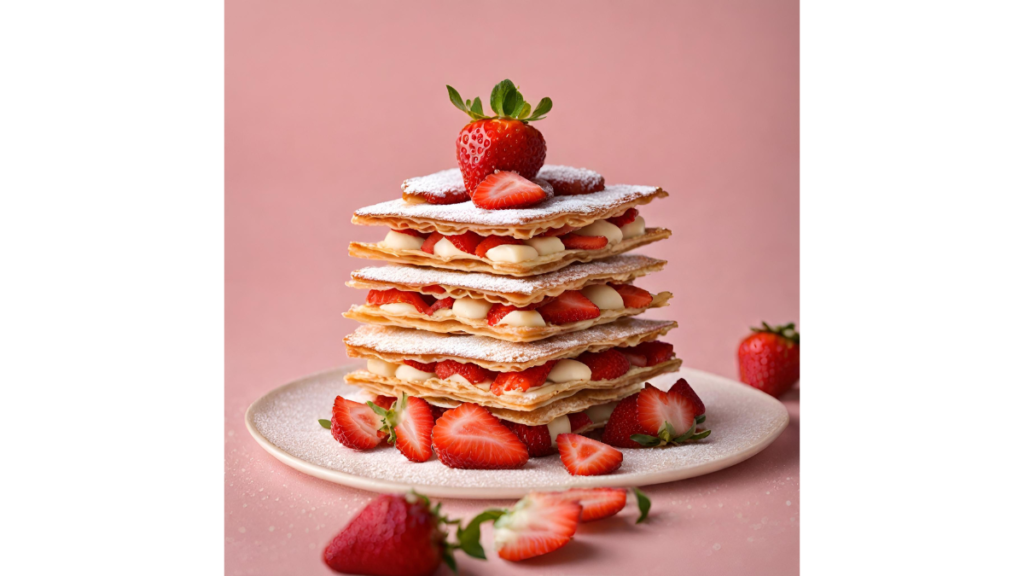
(428, 244)
(491, 241)
(559, 231)
(597, 503)
(583, 456)
(627, 217)
(396, 296)
(536, 438)
(635, 358)
(355, 425)
(466, 242)
(420, 366)
(475, 374)
(683, 387)
(471, 437)
(577, 242)
(633, 297)
(622, 424)
(523, 381)
(536, 525)
(569, 306)
(384, 402)
(666, 416)
(506, 190)
(440, 305)
(578, 421)
(412, 423)
(433, 289)
(497, 312)
(606, 365)
(415, 233)
(655, 351)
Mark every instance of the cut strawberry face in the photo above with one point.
(655, 351)
(633, 297)
(442, 304)
(471, 437)
(396, 296)
(536, 438)
(666, 418)
(577, 242)
(597, 503)
(683, 387)
(497, 312)
(607, 365)
(428, 244)
(471, 372)
(508, 190)
(578, 421)
(522, 381)
(629, 216)
(635, 358)
(569, 306)
(408, 423)
(493, 241)
(420, 366)
(466, 242)
(354, 425)
(583, 456)
(536, 525)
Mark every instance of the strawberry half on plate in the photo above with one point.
(508, 190)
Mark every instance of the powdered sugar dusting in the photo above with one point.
(406, 341)
(555, 173)
(438, 184)
(742, 422)
(419, 276)
(468, 213)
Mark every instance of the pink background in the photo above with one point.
(331, 104)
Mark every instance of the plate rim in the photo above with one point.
(500, 493)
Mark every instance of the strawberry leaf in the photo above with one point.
(643, 503)
(525, 112)
(543, 107)
(498, 96)
(325, 423)
(453, 95)
(645, 440)
(477, 107)
(449, 560)
(512, 100)
(469, 537)
(701, 435)
(700, 419)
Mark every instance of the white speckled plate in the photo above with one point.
(743, 422)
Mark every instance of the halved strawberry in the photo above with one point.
(355, 425)
(597, 503)
(411, 233)
(491, 241)
(633, 297)
(433, 289)
(655, 351)
(475, 374)
(569, 306)
(384, 402)
(420, 366)
(408, 424)
(471, 437)
(623, 424)
(666, 418)
(428, 244)
(625, 218)
(579, 420)
(523, 381)
(466, 242)
(577, 242)
(606, 365)
(683, 387)
(559, 231)
(441, 305)
(635, 358)
(507, 190)
(396, 296)
(583, 456)
(536, 438)
(497, 312)
(536, 525)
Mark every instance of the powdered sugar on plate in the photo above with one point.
(419, 276)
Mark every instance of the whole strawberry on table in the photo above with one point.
(769, 359)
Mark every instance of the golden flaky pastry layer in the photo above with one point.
(622, 269)
(472, 263)
(451, 324)
(394, 345)
(451, 219)
(576, 403)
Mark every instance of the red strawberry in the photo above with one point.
(355, 425)
(433, 289)
(408, 424)
(466, 242)
(568, 181)
(437, 412)
(475, 374)
(579, 420)
(393, 535)
(633, 297)
(508, 190)
(623, 424)
(421, 366)
(635, 358)
(569, 306)
(577, 242)
(770, 358)
(583, 456)
(666, 417)
(627, 217)
(536, 438)
(529, 378)
(655, 351)
(441, 305)
(415, 233)
(492, 241)
(428, 244)
(597, 503)
(396, 296)
(683, 387)
(606, 365)
(536, 525)
(384, 402)
(471, 437)
(501, 142)
(497, 312)
(559, 231)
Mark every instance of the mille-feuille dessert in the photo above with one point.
(509, 304)
(504, 307)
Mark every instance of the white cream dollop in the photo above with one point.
(522, 318)
(545, 246)
(558, 426)
(408, 373)
(569, 371)
(399, 241)
(512, 253)
(599, 414)
(445, 249)
(399, 308)
(604, 297)
(602, 228)
(633, 229)
(471, 308)
(381, 368)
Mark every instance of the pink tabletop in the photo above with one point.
(330, 105)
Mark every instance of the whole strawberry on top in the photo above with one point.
(769, 358)
(505, 141)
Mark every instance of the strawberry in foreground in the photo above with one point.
(583, 456)
(537, 524)
(666, 418)
(471, 437)
(507, 190)
(504, 141)
(601, 503)
(769, 358)
(408, 423)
